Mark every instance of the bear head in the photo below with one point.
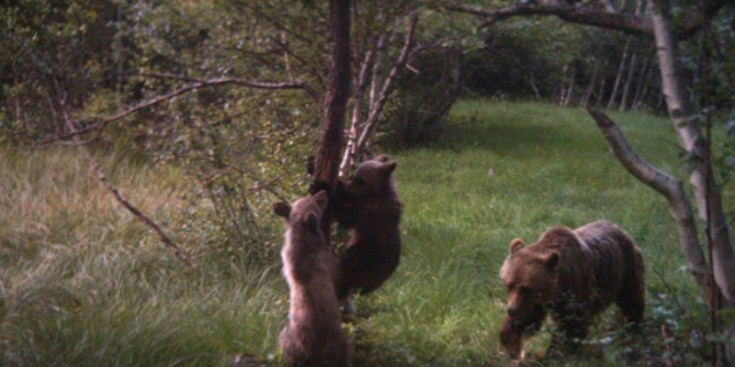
(529, 277)
(306, 211)
(372, 179)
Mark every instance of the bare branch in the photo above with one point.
(360, 84)
(372, 120)
(610, 18)
(197, 84)
(167, 241)
(625, 22)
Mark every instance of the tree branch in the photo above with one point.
(625, 22)
(372, 120)
(610, 18)
(167, 241)
(669, 187)
(197, 84)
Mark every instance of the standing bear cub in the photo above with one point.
(368, 204)
(574, 274)
(313, 335)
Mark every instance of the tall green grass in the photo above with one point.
(82, 283)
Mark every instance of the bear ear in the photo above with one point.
(312, 223)
(321, 199)
(552, 260)
(282, 209)
(388, 168)
(515, 245)
(382, 158)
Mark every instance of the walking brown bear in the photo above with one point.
(313, 335)
(574, 274)
(368, 204)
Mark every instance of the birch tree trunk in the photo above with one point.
(570, 90)
(688, 133)
(590, 88)
(643, 81)
(603, 82)
(619, 76)
(628, 82)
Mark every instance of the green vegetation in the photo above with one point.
(83, 283)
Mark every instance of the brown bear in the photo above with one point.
(574, 274)
(368, 204)
(313, 335)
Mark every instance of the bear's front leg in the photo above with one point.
(510, 338)
(570, 331)
(513, 329)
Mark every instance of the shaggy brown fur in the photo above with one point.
(368, 204)
(313, 335)
(576, 274)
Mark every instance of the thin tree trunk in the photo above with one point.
(603, 82)
(334, 103)
(650, 83)
(628, 82)
(570, 90)
(560, 94)
(591, 86)
(371, 123)
(532, 80)
(619, 76)
(367, 66)
(643, 82)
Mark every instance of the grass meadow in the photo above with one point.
(83, 283)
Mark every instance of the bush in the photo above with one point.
(422, 98)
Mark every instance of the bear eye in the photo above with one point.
(525, 290)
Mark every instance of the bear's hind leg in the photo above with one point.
(632, 305)
(632, 297)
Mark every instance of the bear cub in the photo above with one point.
(368, 204)
(574, 275)
(313, 335)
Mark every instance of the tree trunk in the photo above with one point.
(532, 80)
(570, 90)
(628, 82)
(649, 87)
(688, 133)
(643, 82)
(560, 94)
(334, 102)
(603, 82)
(588, 92)
(620, 73)
(669, 187)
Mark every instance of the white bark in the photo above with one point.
(688, 133)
